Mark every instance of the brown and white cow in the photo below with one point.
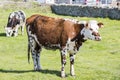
(63, 34)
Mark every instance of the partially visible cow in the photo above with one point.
(16, 20)
(53, 33)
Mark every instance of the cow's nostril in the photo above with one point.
(13, 31)
(98, 38)
(95, 34)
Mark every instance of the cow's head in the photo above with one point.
(90, 31)
(9, 31)
(12, 22)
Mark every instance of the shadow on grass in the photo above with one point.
(46, 71)
(2, 34)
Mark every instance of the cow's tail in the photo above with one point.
(28, 53)
(28, 43)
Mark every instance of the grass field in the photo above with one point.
(94, 61)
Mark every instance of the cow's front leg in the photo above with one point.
(36, 60)
(22, 29)
(63, 61)
(15, 32)
(72, 58)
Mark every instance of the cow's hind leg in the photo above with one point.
(38, 60)
(35, 50)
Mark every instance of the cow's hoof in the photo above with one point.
(37, 69)
(73, 75)
(63, 74)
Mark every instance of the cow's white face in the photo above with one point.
(90, 31)
(8, 31)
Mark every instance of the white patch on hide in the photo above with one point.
(87, 34)
(33, 35)
(93, 24)
(71, 47)
(72, 20)
(12, 15)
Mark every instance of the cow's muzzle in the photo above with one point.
(9, 31)
(98, 38)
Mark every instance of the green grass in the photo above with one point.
(94, 61)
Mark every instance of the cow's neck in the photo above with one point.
(79, 37)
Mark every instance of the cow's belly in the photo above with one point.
(51, 46)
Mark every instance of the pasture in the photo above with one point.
(94, 61)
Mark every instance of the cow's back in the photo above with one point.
(31, 19)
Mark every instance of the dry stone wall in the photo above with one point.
(86, 11)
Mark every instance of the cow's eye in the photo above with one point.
(91, 29)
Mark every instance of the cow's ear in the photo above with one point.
(86, 25)
(18, 21)
(100, 24)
